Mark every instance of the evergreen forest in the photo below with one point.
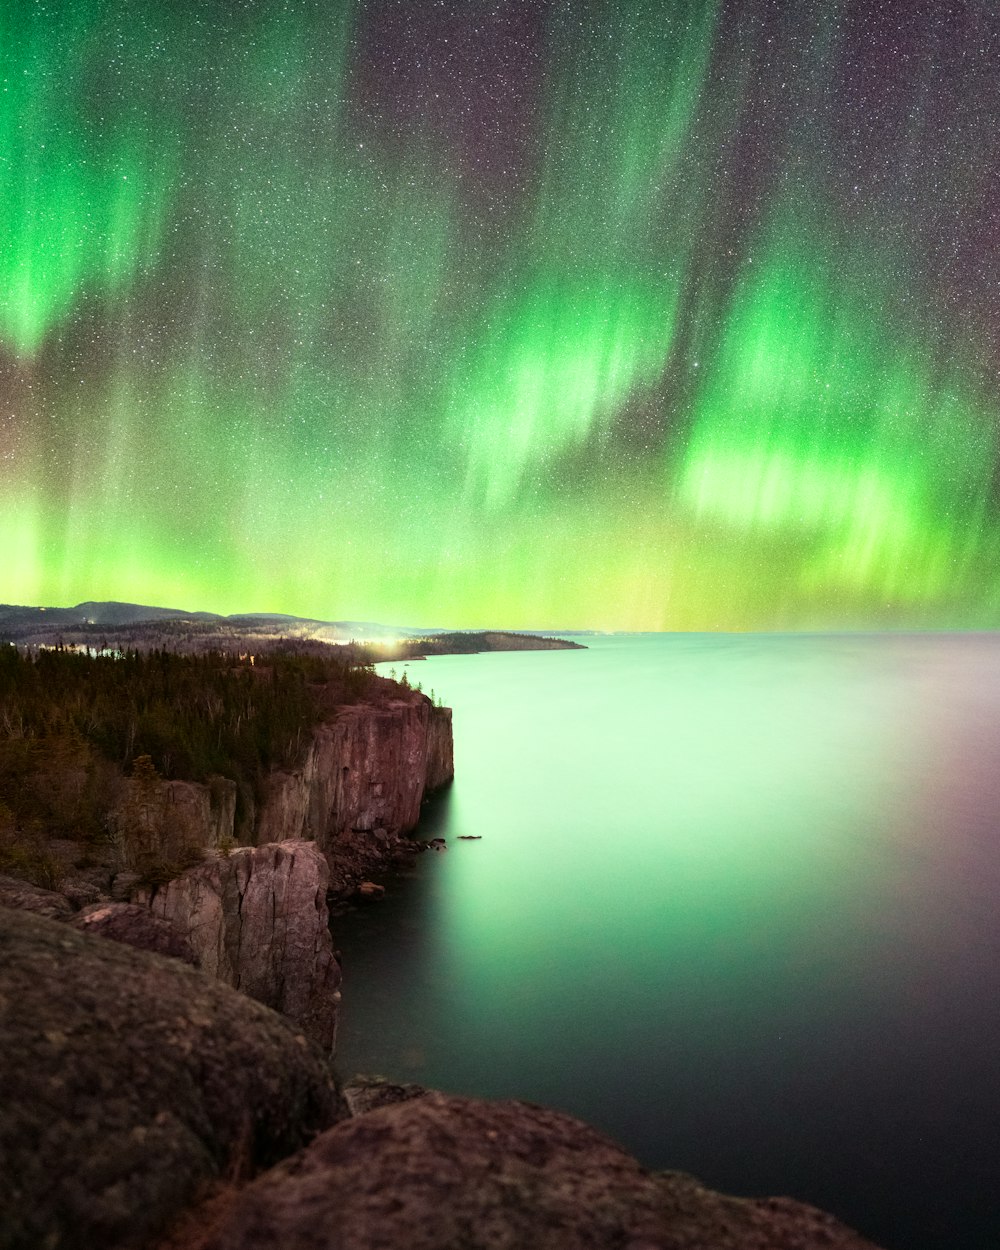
(75, 726)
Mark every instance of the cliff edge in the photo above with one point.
(366, 771)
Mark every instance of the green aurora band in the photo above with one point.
(677, 345)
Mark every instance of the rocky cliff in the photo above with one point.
(366, 772)
(366, 769)
(362, 777)
(257, 920)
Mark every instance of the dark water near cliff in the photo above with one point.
(737, 903)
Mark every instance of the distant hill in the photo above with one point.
(112, 613)
(95, 625)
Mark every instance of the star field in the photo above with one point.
(523, 314)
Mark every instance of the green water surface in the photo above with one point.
(734, 902)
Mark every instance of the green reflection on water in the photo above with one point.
(734, 903)
(661, 816)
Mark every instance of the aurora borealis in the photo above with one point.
(677, 315)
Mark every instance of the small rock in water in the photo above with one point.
(369, 890)
(470, 837)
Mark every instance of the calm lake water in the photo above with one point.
(736, 903)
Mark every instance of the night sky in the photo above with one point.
(624, 315)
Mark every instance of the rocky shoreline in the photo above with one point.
(149, 1105)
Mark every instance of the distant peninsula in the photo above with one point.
(472, 643)
(114, 626)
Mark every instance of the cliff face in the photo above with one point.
(364, 775)
(211, 808)
(366, 771)
(440, 750)
(257, 920)
(159, 813)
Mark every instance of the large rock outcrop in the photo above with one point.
(134, 926)
(444, 1173)
(126, 1080)
(366, 771)
(23, 896)
(257, 920)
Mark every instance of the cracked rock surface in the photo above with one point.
(257, 920)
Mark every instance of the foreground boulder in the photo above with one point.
(126, 1080)
(443, 1173)
(257, 920)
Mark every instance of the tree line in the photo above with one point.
(73, 724)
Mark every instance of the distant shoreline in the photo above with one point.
(109, 627)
